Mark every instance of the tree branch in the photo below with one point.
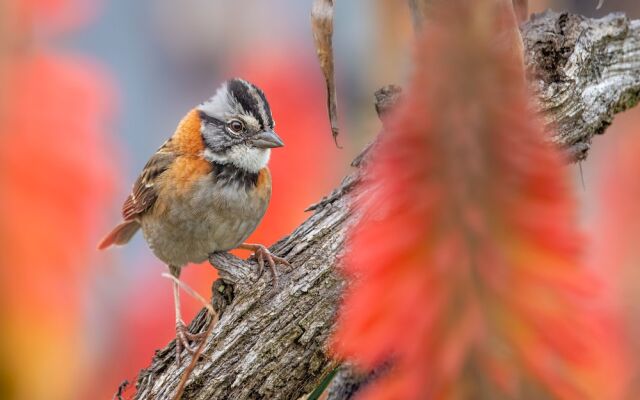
(584, 71)
(273, 343)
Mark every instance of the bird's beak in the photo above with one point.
(267, 140)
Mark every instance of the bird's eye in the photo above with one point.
(236, 126)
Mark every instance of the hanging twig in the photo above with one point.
(322, 26)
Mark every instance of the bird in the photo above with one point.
(206, 189)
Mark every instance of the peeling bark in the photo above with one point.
(272, 344)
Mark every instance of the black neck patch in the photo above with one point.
(229, 174)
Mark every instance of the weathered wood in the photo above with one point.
(271, 344)
(584, 71)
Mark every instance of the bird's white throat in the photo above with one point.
(248, 158)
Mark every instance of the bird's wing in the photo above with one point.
(144, 192)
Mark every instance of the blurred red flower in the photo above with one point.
(615, 225)
(465, 266)
(57, 174)
(52, 16)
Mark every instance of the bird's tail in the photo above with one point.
(121, 234)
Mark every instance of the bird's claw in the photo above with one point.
(262, 254)
(184, 339)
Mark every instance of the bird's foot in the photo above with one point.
(262, 255)
(187, 340)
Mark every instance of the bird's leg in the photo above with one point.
(263, 254)
(183, 336)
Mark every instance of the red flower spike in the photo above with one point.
(465, 266)
(57, 176)
(616, 225)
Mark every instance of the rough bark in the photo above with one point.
(272, 343)
(584, 71)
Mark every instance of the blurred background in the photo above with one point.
(90, 89)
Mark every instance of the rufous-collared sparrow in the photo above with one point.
(207, 187)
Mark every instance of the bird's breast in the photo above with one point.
(215, 215)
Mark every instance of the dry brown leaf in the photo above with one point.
(322, 26)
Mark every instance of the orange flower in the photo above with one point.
(465, 266)
(57, 177)
(616, 225)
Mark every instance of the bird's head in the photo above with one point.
(237, 126)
